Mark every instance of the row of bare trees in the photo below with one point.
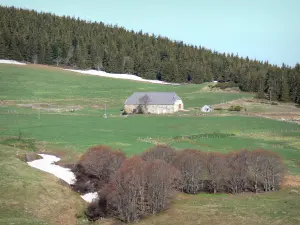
(256, 171)
(132, 188)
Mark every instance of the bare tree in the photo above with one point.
(236, 171)
(162, 179)
(255, 163)
(162, 152)
(126, 199)
(95, 167)
(216, 165)
(137, 189)
(143, 106)
(191, 164)
(272, 171)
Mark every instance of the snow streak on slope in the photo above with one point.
(46, 164)
(100, 73)
(4, 61)
(119, 76)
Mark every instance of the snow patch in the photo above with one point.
(46, 164)
(119, 76)
(100, 73)
(4, 61)
(90, 197)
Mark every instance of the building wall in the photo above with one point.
(176, 106)
(154, 109)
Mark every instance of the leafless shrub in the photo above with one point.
(95, 167)
(162, 152)
(216, 166)
(146, 185)
(137, 189)
(267, 169)
(236, 171)
(192, 165)
(126, 199)
(161, 179)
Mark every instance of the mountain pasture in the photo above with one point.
(36, 105)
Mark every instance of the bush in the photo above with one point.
(162, 152)
(218, 108)
(192, 165)
(136, 190)
(146, 185)
(235, 172)
(123, 112)
(216, 165)
(266, 171)
(235, 108)
(225, 85)
(95, 167)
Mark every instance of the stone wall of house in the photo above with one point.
(154, 109)
(178, 105)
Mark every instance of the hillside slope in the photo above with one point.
(48, 39)
(35, 108)
(32, 197)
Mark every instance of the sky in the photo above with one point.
(267, 30)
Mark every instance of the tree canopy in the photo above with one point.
(65, 41)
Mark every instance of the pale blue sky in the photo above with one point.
(261, 29)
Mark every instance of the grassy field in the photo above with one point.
(36, 83)
(69, 134)
(31, 197)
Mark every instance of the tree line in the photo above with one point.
(132, 188)
(44, 38)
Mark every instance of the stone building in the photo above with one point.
(153, 102)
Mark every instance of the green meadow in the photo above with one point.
(24, 128)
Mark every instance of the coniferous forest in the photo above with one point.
(44, 38)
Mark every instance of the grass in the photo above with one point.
(137, 133)
(33, 197)
(29, 196)
(32, 83)
(270, 208)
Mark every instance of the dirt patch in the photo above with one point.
(51, 107)
(292, 181)
(261, 108)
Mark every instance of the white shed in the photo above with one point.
(206, 108)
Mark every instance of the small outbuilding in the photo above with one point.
(153, 102)
(206, 108)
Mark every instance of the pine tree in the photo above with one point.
(48, 39)
(285, 95)
(57, 54)
(3, 49)
(48, 55)
(261, 90)
(14, 52)
(41, 54)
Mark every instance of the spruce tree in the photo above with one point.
(285, 92)
(48, 39)
(3, 49)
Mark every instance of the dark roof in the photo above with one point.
(154, 98)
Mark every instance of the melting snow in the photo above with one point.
(119, 76)
(46, 164)
(4, 61)
(100, 73)
(89, 197)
